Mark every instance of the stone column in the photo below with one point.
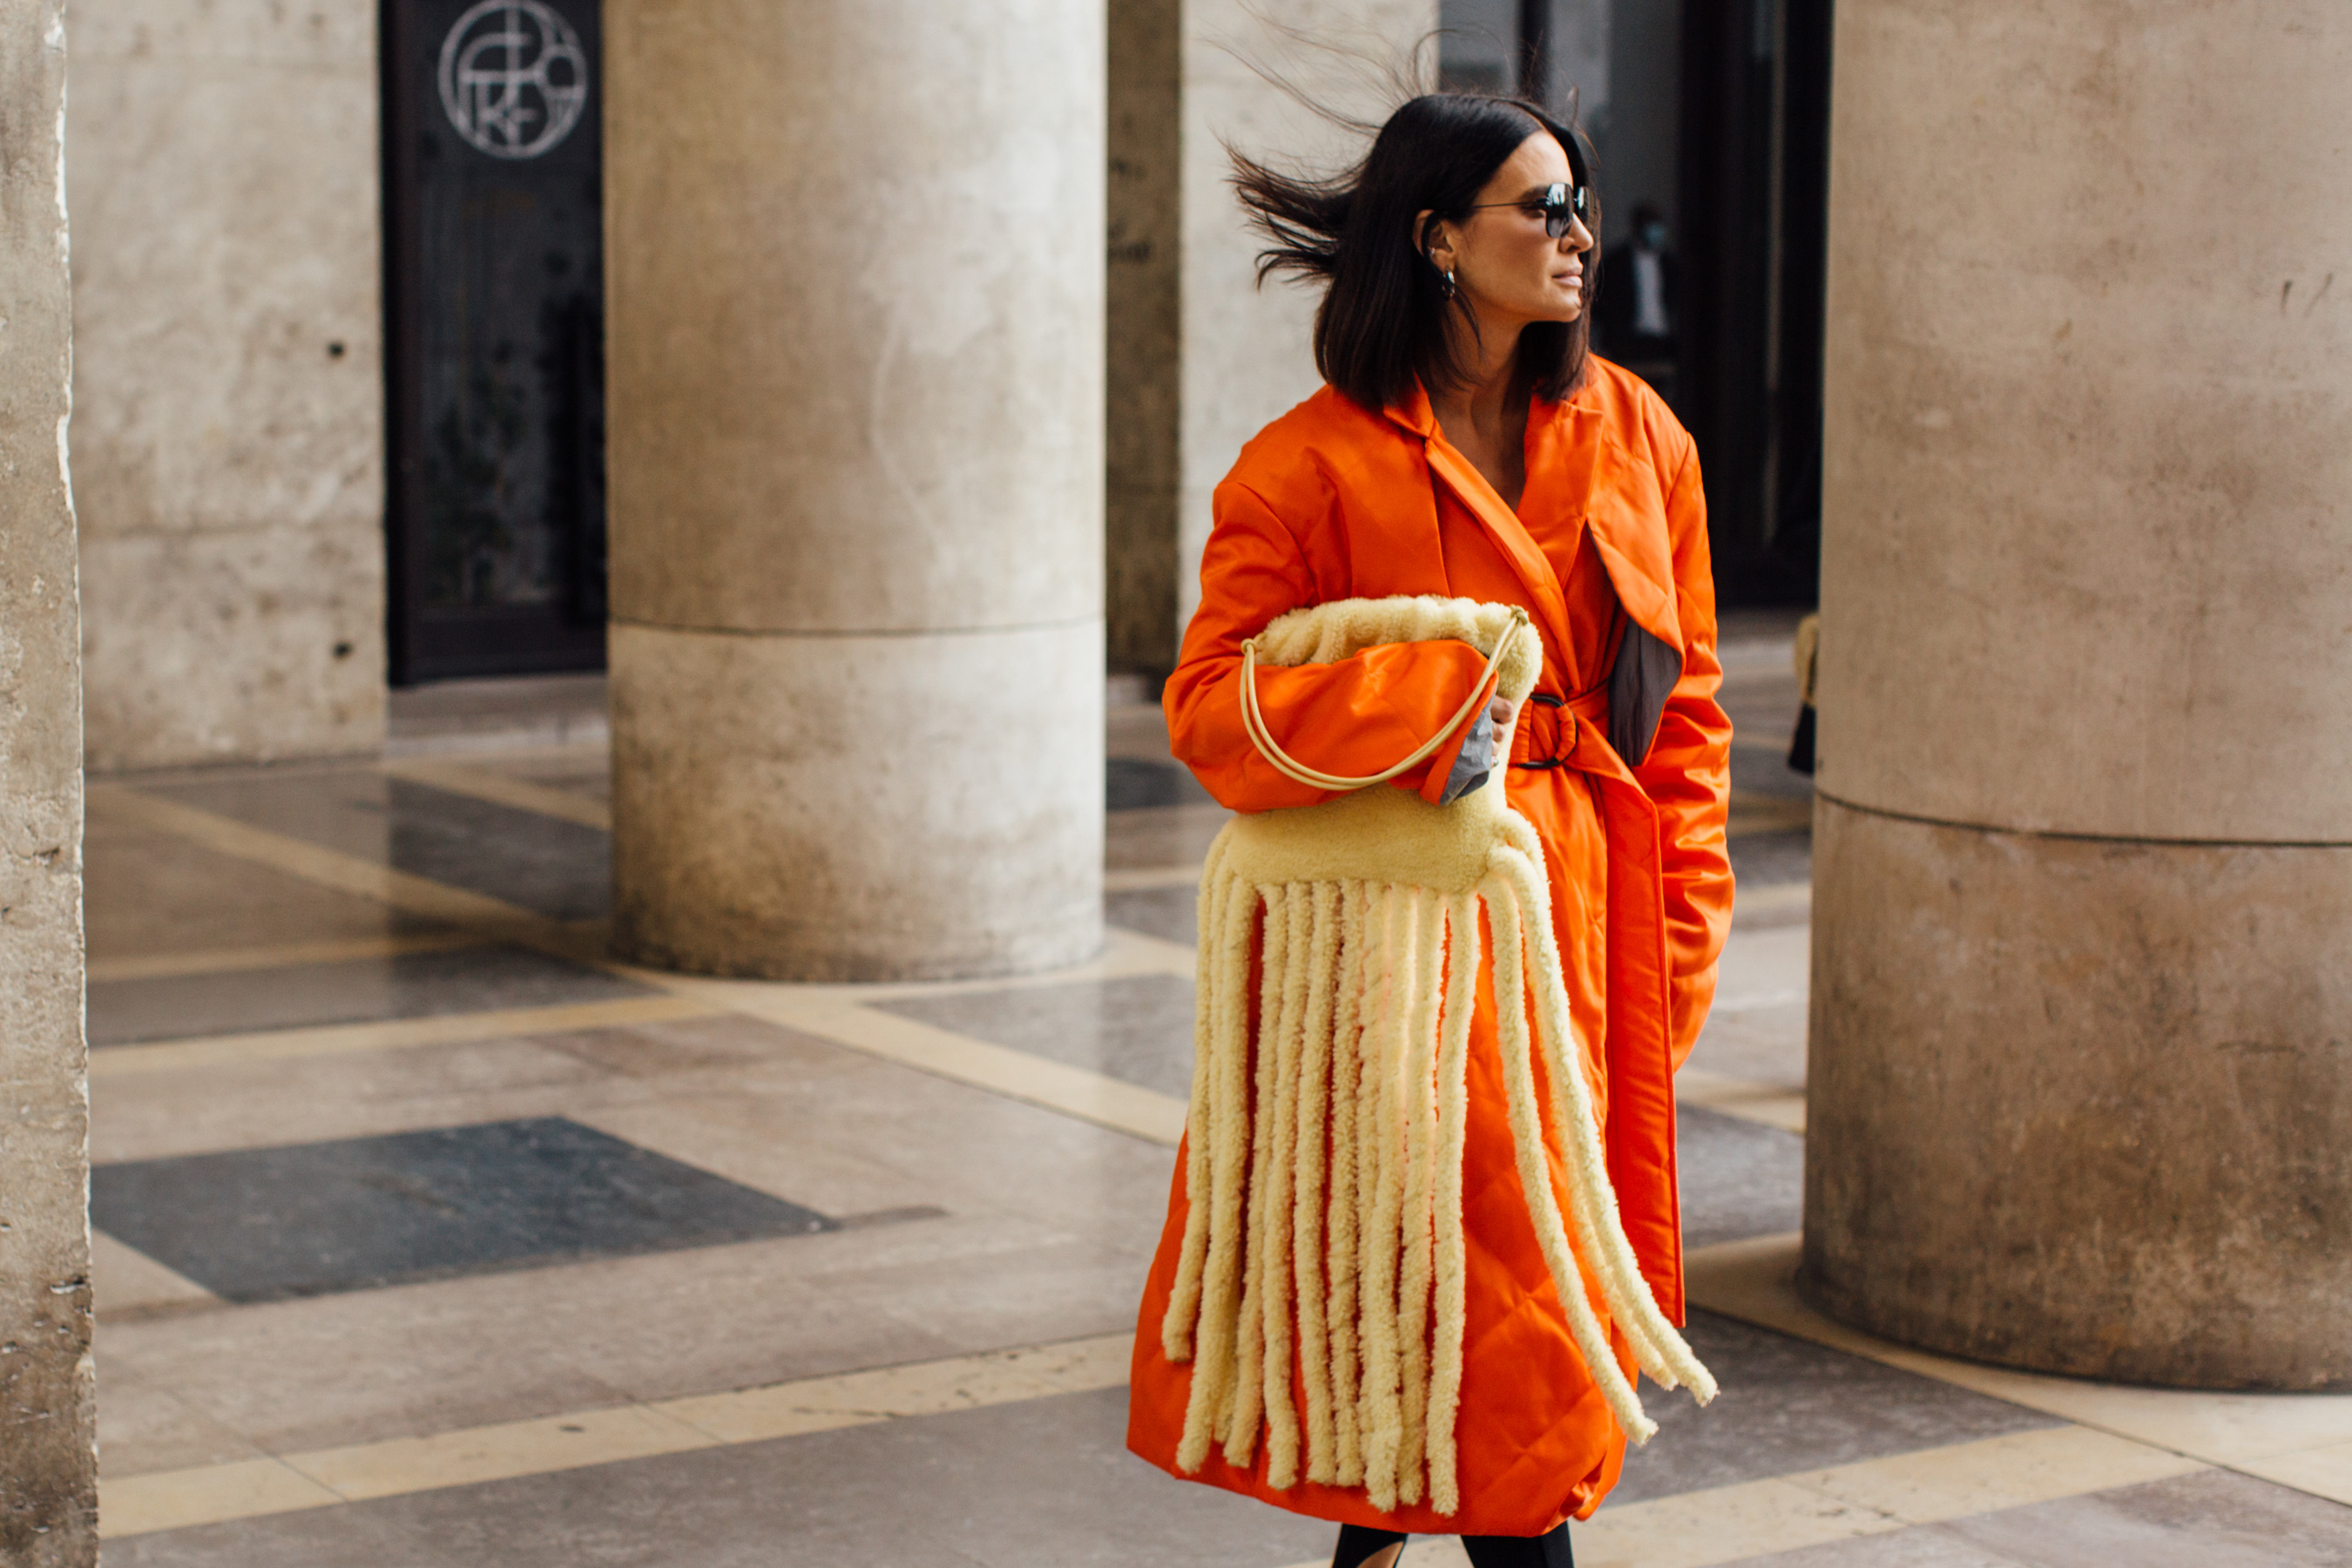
(48, 1456)
(855, 361)
(2081, 987)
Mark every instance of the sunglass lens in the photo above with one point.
(1562, 205)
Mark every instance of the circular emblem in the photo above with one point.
(513, 77)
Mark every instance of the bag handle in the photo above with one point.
(1254, 722)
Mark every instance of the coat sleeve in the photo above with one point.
(1356, 717)
(1689, 775)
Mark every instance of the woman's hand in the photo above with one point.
(1485, 750)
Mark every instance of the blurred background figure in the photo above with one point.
(1635, 312)
(1807, 660)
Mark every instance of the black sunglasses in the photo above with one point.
(1559, 205)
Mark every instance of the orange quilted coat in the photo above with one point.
(1332, 501)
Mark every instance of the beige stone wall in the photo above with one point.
(2082, 990)
(49, 1460)
(1246, 353)
(228, 378)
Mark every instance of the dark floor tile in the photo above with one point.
(1134, 784)
(409, 986)
(2216, 1518)
(1786, 1406)
(1138, 1029)
(310, 1219)
(1170, 913)
(553, 868)
(1044, 1483)
(1765, 859)
(1739, 1179)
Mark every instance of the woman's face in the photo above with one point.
(1506, 266)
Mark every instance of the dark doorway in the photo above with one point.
(494, 306)
(1755, 231)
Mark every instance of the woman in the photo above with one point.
(1467, 445)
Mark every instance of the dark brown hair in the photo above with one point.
(1382, 320)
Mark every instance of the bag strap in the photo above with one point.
(1254, 722)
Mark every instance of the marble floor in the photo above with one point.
(428, 1235)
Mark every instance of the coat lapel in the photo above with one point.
(1615, 482)
(1502, 525)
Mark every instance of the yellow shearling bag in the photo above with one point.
(1324, 1169)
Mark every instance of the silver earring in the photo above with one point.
(1449, 283)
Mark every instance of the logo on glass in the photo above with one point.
(513, 77)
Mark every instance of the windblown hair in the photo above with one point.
(1382, 320)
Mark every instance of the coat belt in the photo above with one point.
(1565, 732)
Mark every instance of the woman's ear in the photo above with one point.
(1433, 238)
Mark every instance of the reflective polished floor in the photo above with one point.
(427, 1237)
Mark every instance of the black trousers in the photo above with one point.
(1356, 1543)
